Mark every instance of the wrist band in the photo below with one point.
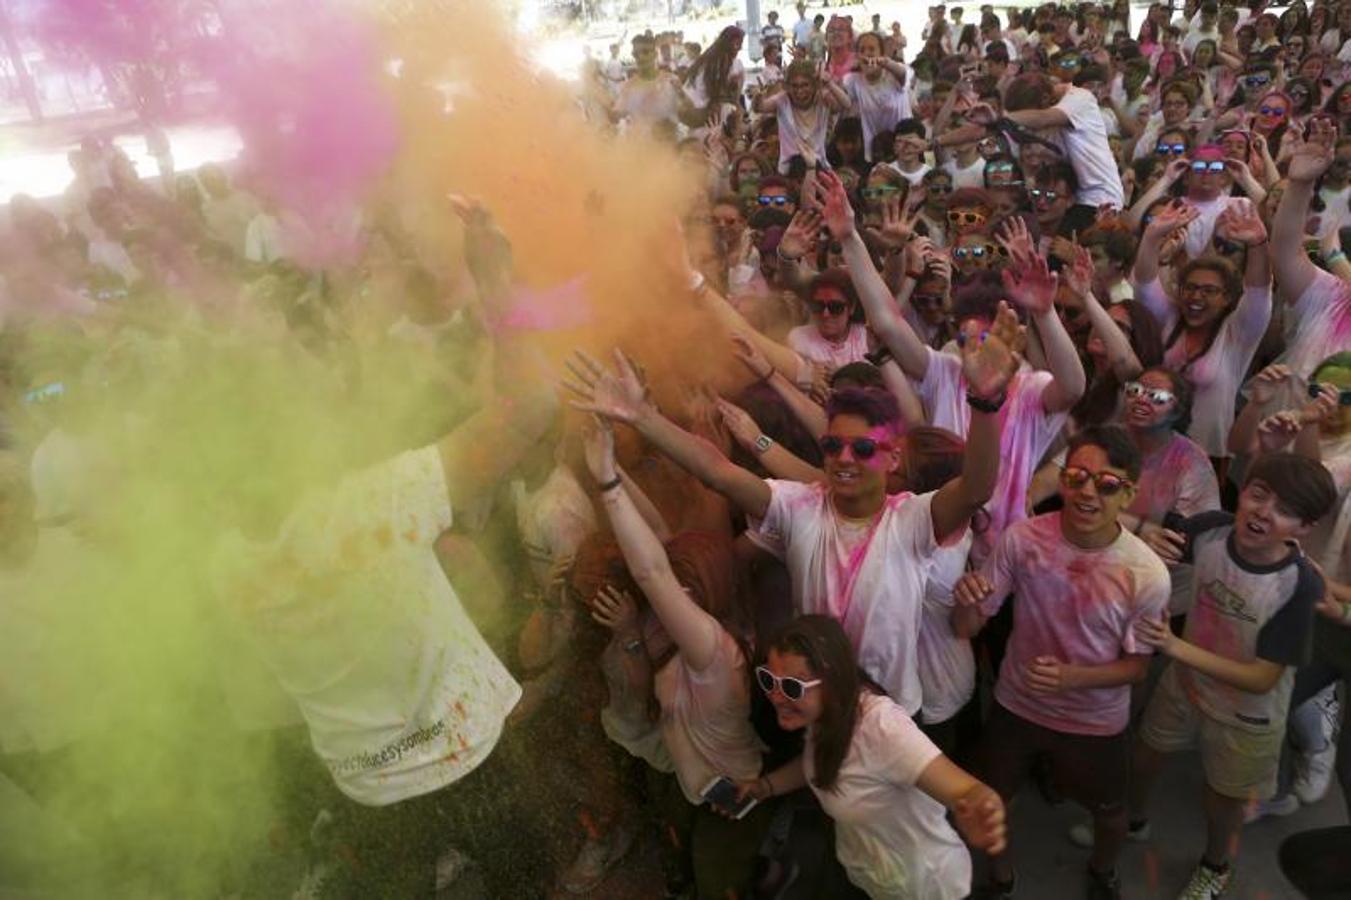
(986, 406)
(778, 251)
(611, 485)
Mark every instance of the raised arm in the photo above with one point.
(1120, 355)
(694, 632)
(1156, 191)
(1241, 222)
(622, 397)
(1029, 282)
(883, 317)
(987, 367)
(807, 411)
(778, 461)
(1294, 271)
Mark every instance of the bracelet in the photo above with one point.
(612, 484)
(1333, 257)
(778, 251)
(980, 404)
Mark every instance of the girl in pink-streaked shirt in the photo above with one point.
(832, 338)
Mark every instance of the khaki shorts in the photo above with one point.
(1239, 764)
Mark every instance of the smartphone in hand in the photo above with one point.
(721, 794)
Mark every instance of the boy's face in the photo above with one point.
(1264, 521)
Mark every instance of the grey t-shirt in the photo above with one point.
(1246, 612)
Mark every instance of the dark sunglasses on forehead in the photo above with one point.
(1156, 396)
(792, 688)
(1108, 485)
(775, 201)
(1343, 395)
(1170, 149)
(862, 447)
(831, 307)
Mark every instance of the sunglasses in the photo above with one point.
(1156, 396)
(978, 252)
(957, 217)
(1271, 110)
(863, 447)
(1253, 81)
(1170, 149)
(772, 201)
(1214, 165)
(792, 688)
(830, 307)
(1048, 196)
(1343, 395)
(1072, 62)
(874, 193)
(926, 301)
(996, 168)
(1108, 485)
(938, 188)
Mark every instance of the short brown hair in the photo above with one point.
(1031, 90)
(1303, 484)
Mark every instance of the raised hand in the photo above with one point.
(750, 356)
(898, 223)
(1242, 223)
(835, 209)
(981, 114)
(619, 396)
(702, 406)
(1031, 284)
(1016, 239)
(1309, 161)
(800, 236)
(739, 423)
(1276, 431)
(979, 814)
(1079, 276)
(598, 444)
(1176, 169)
(987, 362)
(1169, 218)
(1008, 329)
(1319, 408)
(1262, 389)
(616, 610)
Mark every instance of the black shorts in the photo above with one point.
(1089, 769)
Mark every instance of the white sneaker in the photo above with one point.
(1283, 805)
(596, 859)
(1081, 835)
(1314, 774)
(1206, 883)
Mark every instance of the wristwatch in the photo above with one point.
(986, 405)
(763, 443)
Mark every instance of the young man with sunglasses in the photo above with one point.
(1228, 685)
(1082, 581)
(853, 552)
(1208, 182)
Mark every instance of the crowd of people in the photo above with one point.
(1028, 463)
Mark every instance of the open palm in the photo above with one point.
(619, 396)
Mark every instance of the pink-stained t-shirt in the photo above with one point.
(1177, 477)
(871, 576)
(1026, 432)
(1318, 324)
(1216, 374)
(1076, 605)
(806, 341)
(706, 717)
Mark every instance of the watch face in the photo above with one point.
(763, 443)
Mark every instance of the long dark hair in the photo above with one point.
(716, 65)
(1183, 394)
(821, 641)
(1099, 402)
(1233, 290)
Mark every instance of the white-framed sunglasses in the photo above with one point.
(792, 688)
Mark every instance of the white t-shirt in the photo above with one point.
(1216, 374)
(646, 102)
(800, 131)
(1318, 324)
(697, 88)
(1026, 433)
(947, 667)
(873, 585)
(1202, 228)
(972, 176)
(552, 520)
(802, 32)
(351, 610)
(806, 341)
(1087, 150)
(880, 104)
(706, 717)
(917, 176)
(893, 839)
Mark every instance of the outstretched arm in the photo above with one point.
(1120, 355)
(1310, 160)
(694, 632)
(622, 397)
